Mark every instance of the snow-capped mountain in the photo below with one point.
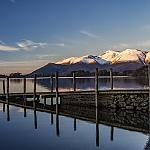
(128, 55)
(109, 55)
(89, 59)
(147, 59)
(129, 59)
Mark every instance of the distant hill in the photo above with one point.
(127, 60)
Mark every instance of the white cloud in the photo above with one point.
(89, 34)
(4, 47)
(28, 44)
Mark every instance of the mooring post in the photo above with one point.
(56, 84)
(7, 96)
(35, 79)
(96, 87)
(24, 88)
(111, 79)
(74, 81)
(52, 84)
(4, 86)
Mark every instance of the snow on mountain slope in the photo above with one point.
(147, 59)
(130, 55)
(109, 55)
(84, 59)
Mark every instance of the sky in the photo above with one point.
(36, 32)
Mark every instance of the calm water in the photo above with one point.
(82, 84)
(40, 130)
(19, 132)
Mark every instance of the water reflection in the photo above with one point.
(105, 123)
(45, 85)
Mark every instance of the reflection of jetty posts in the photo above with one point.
(8, 114)
(112, 133)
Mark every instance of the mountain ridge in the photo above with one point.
(129, 59)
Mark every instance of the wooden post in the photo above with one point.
(74, 81)
(34, 96)
(4, 87)
(149, 84)
(7, 96)
(111, 79)
(96, 87)
(52, 84)
(56, 84)
(24, 88)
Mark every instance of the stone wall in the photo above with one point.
(115, 101)
(134, 120)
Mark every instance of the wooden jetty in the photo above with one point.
(138, 99)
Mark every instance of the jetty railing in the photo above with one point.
(36, 94)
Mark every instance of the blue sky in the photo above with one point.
(34, 32)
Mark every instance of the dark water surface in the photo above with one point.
(58, 132)
(45, 131)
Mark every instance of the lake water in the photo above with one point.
(19, 132)
(66, 84)
(45, 131)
